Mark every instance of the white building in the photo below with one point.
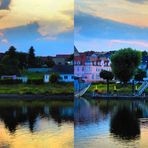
(66, 73)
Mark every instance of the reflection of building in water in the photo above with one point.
(86, 113)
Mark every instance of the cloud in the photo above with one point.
(124, 11)
(5, 41)
(97, 33)
(138, 1)
(4, 4)
(52, 17)
(108, 45)
(90, 26)
(135, 42)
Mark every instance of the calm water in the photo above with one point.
(36, 124)
(111, 124)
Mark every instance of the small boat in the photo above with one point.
(80, 87)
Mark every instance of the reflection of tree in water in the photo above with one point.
(12, 116)
(106, 106)
(56, 114)
(125, 124)
(9, 116)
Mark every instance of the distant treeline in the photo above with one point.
(13, 62)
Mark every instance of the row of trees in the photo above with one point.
(13, 62)
(124, 64)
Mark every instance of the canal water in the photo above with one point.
(110, 124)
(36, 124)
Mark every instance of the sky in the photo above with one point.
(47, 25)
(105, 25)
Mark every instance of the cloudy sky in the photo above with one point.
(104, 25)
(45, 24)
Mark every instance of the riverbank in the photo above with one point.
(37, 96)
(42, 89)
(116, 97)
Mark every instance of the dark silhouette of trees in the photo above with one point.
(31, 57)
(10, 63)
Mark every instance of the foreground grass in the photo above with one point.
(63, 88)
(102, 88)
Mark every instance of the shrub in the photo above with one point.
(54, 78)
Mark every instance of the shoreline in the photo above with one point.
(117, 97)
(121, 97)
(59, 97)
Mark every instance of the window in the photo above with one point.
(98, 69)
(72, 77)
(97, 76)
(88, 69)
(65, 77)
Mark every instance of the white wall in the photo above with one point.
(67, 77)
(64, 78)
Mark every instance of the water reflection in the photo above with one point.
(39, 122)
(125, 124)
(110, 123)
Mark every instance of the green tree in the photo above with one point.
(124, 63)
(10, 62)
(106, 75)
(54, 78)
(31, 57)
(140, 75)
(144, 53)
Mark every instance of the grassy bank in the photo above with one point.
(34, 75)
(62, 88)
(101, 88)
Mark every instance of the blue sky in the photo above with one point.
(46, 25)
(111, 25)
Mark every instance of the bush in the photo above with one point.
(35, 81)
(10, 81)
(54, 78)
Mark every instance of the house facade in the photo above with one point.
(66, 73)
(88, 65)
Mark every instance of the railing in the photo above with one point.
(142, 88)
(81, 88)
